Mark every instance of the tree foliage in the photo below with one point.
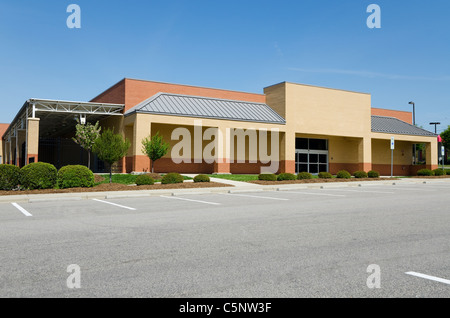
(110, 148)
(85, 136)
(155, 148)
(446, 138)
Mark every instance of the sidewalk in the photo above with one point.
(237, 187)
(229, 182)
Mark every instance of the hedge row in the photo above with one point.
(41, 175)
(435, 172)
(343, 174)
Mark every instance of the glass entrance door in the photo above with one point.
(311, 159)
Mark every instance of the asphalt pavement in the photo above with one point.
(316, 241)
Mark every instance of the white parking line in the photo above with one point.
(412, 189)
(118, 205)
(18, 207)
(361, 191)
(314, 193)
(436, 279)
(184, 199)
(258, 197)
(432, 186)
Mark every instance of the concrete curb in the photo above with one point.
(77, 196)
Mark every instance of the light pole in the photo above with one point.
(414, 123)
(439, 150)
(414, 112)
(435, 126)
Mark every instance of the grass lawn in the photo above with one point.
(126, 178)
(235, 177)
(120, 178)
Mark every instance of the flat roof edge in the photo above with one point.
(316, 86)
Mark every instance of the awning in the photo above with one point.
(58, 117)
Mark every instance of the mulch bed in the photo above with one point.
(319, 181)
(432, 177)
(121, 187)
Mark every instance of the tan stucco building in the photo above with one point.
(314, 128)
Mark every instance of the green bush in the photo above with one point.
(343, 174)
(172, 177)
(201, 178)
(75, 177)
(325, 175)
(304, 176)
(38, 175)
(9, 177)
(425, 172)
(360, 174)
(144, 179)
(439, 172)
(447, 172)
(267, 177)
(286, 176)
(373, 174)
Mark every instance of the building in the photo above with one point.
(316, 129)
(3, 128)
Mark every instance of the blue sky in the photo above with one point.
(240, 45)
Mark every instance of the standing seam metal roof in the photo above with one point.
(393, 125)
(195, 106)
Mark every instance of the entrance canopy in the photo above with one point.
(59, 117)
(41, 119)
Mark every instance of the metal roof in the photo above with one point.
(393, 125)
(204, 107)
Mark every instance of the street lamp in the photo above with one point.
(439, 153)
(414, 112)
(435, 126)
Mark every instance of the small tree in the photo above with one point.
(110, 148)
(155, 148)
(85, 136)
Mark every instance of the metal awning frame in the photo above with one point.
(34, 106)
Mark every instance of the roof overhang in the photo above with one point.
(208, 108)
(392, 125)
(58, 116)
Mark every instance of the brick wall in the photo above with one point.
(113, 95)
(138, 91)
(402, 115)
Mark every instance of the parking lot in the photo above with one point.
(293, 243)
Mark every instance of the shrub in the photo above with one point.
(201, 178)
(144, 179)
(373, 174)
(286, 176)
(75, 177)
(9, 177)
(447, 172)
(304, 176)
(267, 177)
(425, 172)
(439, 172)
(38, 175)
(360, 174)
(325, 175)
(172, 177)
(343, 174)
